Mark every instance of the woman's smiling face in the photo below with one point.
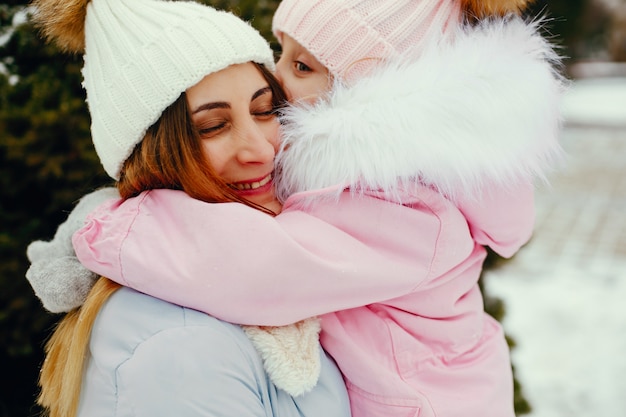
(233, 112)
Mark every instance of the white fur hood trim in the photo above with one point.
(483, 109)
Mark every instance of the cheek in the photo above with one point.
(307, 89)
(272, 133)
(217, 154)
(322, 84)
(298, 88)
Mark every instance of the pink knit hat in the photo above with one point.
(350, 37)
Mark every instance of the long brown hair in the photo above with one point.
(169, 156)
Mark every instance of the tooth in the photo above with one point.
(253, 185)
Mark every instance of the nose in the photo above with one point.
(279, 74)
(256, 143)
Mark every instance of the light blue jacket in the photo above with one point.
(150, 358)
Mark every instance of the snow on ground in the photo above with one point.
(597, 101)
(565, 292)
(570, 331)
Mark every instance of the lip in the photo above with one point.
(254, 186)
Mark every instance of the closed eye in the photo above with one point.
(271, 112)
(262, 106)
(209, 129)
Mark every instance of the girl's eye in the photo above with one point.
(302, 67)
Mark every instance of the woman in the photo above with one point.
(180, 97)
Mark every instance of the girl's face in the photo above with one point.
(302, 76)
(233, 112)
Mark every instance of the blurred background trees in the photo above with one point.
(48, 162)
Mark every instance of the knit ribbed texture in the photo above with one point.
(140, 55)
(349, 37)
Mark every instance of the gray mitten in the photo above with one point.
(56, 275)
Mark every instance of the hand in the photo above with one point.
(56, 275)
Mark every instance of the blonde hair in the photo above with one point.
(61, 375)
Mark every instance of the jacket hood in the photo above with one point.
(484, 108)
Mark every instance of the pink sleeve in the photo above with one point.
(243, 266)
(503, 218)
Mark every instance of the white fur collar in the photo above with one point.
(483, 109)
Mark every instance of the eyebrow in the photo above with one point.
(260, 92)
(211, 106)
(225, 105)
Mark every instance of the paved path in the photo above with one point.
(581, 217)
(565, 292)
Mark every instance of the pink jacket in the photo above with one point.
(394, 281)
(410, 333)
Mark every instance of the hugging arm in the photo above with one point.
(242, 266)
(62, 284)
(503, 218)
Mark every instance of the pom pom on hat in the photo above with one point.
(140, 55)
(62, 22)
(488, 8)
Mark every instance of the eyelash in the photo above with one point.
(213, 129)
(271, 112)
(298, 67)
(209, 130)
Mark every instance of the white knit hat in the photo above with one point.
(349, 37)
(140, 55)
